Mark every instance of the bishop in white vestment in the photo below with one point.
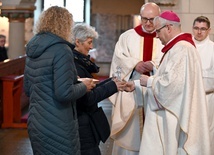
(176, 121)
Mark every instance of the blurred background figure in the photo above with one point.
(3, 50)
(200, 30)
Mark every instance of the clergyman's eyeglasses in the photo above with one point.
(145, 20)
(158, 30)
(202, 29)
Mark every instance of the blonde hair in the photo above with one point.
(56, 20)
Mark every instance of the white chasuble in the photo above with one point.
(176, 120)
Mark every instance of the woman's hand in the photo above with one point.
(120, 84)
(89, 83)
(130, 86)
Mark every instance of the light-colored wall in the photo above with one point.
(4, 28)
(188, 10)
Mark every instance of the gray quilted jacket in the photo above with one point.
(50, 81)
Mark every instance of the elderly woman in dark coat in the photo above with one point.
(87, 105)
(50, 81)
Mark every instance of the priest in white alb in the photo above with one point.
(137, 52)
(201, 29)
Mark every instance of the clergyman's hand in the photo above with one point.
(144, 67)
(143, 80)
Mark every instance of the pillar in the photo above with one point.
(17, 13)
(16, 37)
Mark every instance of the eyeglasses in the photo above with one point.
(158, 30)
(202, 29)
(145, 20)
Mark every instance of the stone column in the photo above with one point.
(17, 14)
(16, 37)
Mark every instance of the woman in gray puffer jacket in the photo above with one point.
(50, 81)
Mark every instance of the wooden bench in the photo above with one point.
(11, 93)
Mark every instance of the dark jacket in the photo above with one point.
(50, 81)
(3, 53)
(88, 104)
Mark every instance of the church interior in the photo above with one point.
(110, 18)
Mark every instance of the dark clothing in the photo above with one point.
(50, 81)
(88, 104)
(3, 53)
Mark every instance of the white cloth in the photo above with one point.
(117, 150)
(125, 113)
(176, 113)
(206, 52)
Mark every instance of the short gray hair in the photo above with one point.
(83, 31)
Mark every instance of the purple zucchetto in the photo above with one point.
(170, 15)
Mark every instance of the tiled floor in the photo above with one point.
(16, 141)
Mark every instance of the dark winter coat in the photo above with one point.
(50, 82)
(88, 104)
(3, 53)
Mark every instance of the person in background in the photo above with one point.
(137, 52)
(200, 30)
(90, 134)
(50, 82)
(176, 121)
(3, 50)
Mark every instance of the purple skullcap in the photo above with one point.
(170, 15)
